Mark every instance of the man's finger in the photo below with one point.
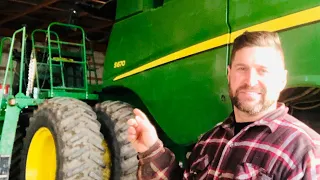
(132, 122)
(132, 131)
(139, 113)
(142, 124)
(132, 138)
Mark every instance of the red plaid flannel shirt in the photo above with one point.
(278, 146)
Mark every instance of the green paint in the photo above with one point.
(181, 96)
(244, 13)
(83, 61)
(75, 95)
(186, 97)
(302, 55)
(127, 8)
(10, 123)
(164, 30)
(9, 115)
(8, 129)
(189, 96)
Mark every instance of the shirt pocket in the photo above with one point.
(199, 166)
(250, 171)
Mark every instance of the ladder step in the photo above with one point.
(67, 43)
(68, 88)
(62, 59)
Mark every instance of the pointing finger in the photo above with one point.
(139, 113)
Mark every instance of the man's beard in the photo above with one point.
(251, 109)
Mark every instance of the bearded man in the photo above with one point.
(259, 140)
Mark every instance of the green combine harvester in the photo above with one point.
(166, 57)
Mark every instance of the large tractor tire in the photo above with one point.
(113, 116)
(63, 142)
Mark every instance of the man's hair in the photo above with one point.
(254, 39)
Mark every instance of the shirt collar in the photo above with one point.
(267, 120)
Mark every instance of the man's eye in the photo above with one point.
(263, 71)
(242, 68)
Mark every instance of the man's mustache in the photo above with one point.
(246, 87)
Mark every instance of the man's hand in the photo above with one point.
(141, 133)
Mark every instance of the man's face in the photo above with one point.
(256, 78)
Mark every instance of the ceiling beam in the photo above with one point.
(30, 10)
(34, 4)
(97, 1)
(26, 16)
(56, 9)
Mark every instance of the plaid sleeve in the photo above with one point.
(158, 163)
(309, 168)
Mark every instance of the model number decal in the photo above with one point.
(119, 64)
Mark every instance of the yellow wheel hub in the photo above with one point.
(107, 161)
(41, 158)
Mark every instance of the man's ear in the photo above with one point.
(229, 69)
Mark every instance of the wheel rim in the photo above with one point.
(41, 159)
(107, 161)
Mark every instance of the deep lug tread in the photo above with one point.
(119, 113)
(78, 137)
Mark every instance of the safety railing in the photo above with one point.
(83, 61)
(9, 66)
(45, 49)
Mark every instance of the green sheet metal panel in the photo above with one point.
(244, 13)
(126, 8)
(189, 96)
(302, 55)
(185, 94)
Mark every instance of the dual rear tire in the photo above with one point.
(66, 139)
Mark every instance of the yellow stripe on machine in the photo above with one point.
(281, 23)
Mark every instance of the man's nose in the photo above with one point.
(252, 78)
